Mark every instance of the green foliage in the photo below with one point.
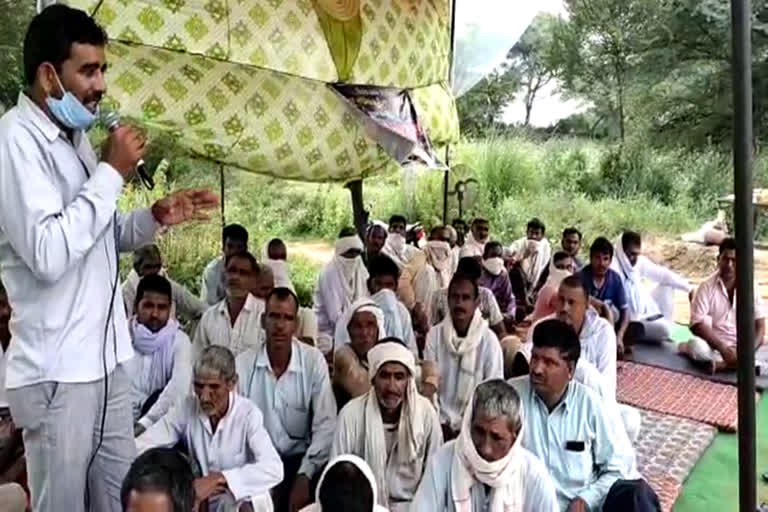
(15, 16)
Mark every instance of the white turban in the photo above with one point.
(346, 243)
(390, 352)
(364, 469)
(364, 305)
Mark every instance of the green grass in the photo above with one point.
(714, 483)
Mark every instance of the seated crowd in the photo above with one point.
(406, 386)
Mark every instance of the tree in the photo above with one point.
(532, 58)
(15, 16)
(480, 108)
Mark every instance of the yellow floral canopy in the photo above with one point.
(249, 83)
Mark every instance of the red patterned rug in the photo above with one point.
(668, 392)
(668, 448)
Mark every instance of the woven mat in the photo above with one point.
(667, 450)
(668, 392)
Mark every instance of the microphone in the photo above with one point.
(111, 121)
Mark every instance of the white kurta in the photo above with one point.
(647, 270)
(489, 364)
(240, 447)
(301, 405)
(174, 390)
(215, 327)
(403, 479)
(331, 297)
(212, 286)
(435, 490)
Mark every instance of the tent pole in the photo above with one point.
(221, 193)
(358, 208)
(743, 220)
(451, 54)
(446, 176)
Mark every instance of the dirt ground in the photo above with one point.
(695, 262)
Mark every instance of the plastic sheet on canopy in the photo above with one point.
(485, 30)
(247, 83)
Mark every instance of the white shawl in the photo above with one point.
(504, 476)
(410, 428)
(533, 255)
(397, 250)
(465, 350)
(640, 306)
(342, 327)
(364, 469)
(472, 248)
(440, 256)
(395, 323)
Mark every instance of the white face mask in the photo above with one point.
(533, 246)
(396, 241)
(494, 265)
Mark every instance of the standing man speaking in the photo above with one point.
(60, 238)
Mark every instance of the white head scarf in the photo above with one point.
(362, 466)
(395, 323)
(440, 256)
(556, 275)
(361, 305)
(472, 248)
(351, 270)
(504, 476)
(632, 282)
(410, 428)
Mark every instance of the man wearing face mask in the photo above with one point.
(529, 257)
(437, 272)
(342, 282)
(496, 279)
(162, 368)
(60, 238)
(475, 241)
(395, 246)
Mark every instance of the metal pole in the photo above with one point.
(450, 81)
(743, 220)
(221, 193)
(446, 178)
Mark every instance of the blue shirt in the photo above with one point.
(612, 292)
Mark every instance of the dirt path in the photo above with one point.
(318, 252)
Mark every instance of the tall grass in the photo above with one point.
(603, 189)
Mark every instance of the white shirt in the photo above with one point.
(174, 390)
(184, 303)
(645, 269)
(59, 236)
(435, 490)
(489, 307)
(587, 471)
(489, 364)
(239, 448)
(301, 405)
(598, 345)
(3, 394)
(215, 327)
(212, 288)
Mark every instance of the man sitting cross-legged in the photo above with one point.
(713, 315)
(465, 352)
(577, 436)
(392, 427)
(162, 367)
(487, 469)
(224, 432)
(290, 379)
(234, 322)
(650, 313)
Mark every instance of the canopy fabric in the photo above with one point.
(246, 83)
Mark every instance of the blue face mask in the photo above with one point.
(69, 111)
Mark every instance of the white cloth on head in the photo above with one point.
(397, 319)
(364, 305)
(440, 256)
(556, 275)
(342, 282)
(534, 256)
(472, 248)
(398, 251)
(505, 477)
(364, 469)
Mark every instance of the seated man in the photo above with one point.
(496, 279)
(713, 315)
(570, 429)
(224, 433)
(395, 246)
(159, 480)
(529, 257)
(465, 352)
(233, 322)
(375, 239)
(461, 231)
(290, 380)
(605, 288)
(342, 282)
(392, 427)
(161, 369)
(560, 267)
(570, 244)
(474, 243)
(276, 258)
(489, 308)
(486, 468)
(437, 271)
(12, 463)
(148, 261)
(597, 338)
(364, 322)
(213, 286)
(347, 485)
(650, 314)
(382, 284)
